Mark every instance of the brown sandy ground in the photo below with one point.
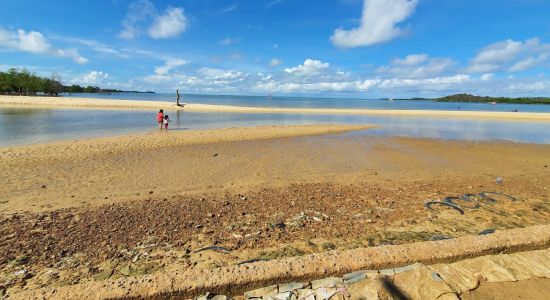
(537, 288)
(148, 209)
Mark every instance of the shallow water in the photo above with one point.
(31, 125)
(313, 102)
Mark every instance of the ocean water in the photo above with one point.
(31, 125)
(315, 102)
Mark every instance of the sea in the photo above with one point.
(20, 126)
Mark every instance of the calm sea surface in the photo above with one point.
(312, 102)
(31, 125)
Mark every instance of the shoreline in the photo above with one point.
(94, 103)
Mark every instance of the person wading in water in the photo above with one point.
(178, 98)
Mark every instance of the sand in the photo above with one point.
(80, 211)
(91, 103)
(107, 170)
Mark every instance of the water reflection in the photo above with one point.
(30, 125)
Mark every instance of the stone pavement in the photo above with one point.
(417, 281)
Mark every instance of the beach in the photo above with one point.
(92, 103)
(265, 192)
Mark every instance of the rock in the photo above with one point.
(126, 270)
(259, 293)
(257, 233)
(105, 274)
(330, 282)
(317, 219)
(327, 246)
(306, 294)
(421, 283)
(406, 268)
(459, 279)
(487, 231)
(368, 289)
(282, 296)
(289, 287)
(280, 225)
(355, 277)
(369, 221)
(324, 293)
(203, 297)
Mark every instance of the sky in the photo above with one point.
(340, 48)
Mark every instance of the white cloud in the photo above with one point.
(226, 41)
(411, 60)
(487, 76)
(94, 45)
(417, 66)
(310, 67)
(139, 11)
(273, 3)
(169, 65)
(35, 42)
(94, 78)
(227, 9)
(275, 62)
(168, 25)
(529, 62)
(161, 26)
(510, 55)
(379, 22)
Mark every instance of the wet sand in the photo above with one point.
(84, 210)
(91, 103)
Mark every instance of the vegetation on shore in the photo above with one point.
(481, 99)
(485, 99)
(24, 83)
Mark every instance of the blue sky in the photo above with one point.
(370, 48)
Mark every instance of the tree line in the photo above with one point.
(485, 99)
(24, 83)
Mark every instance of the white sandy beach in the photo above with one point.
(93, 103)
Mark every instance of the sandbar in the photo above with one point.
(92, 103)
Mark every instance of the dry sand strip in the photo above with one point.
(155, 140)
(238, 279)
(92, 103)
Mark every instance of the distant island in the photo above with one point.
(24, 83)
(486, 99)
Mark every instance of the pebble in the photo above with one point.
(289, 287)
(259, 293)
(327, 283)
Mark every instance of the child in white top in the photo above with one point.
(166, 120)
